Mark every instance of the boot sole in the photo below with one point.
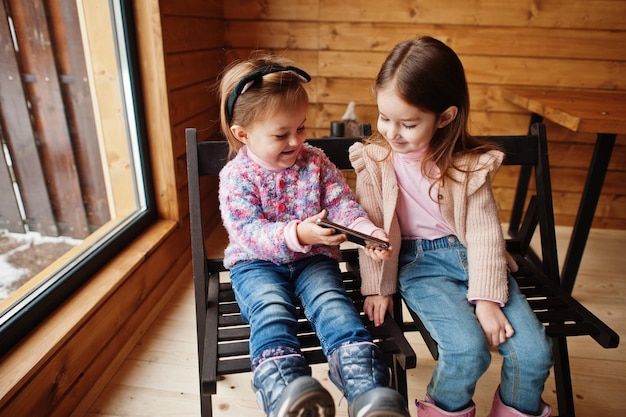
(306, 398)
(379, 402)
(311, 405)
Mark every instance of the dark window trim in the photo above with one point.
(29, 316)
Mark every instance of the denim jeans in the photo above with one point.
(267, 295)
(433, 281)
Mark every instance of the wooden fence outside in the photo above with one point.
(47, 124)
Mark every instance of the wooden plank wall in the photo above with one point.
(563, 43)
(193, 43)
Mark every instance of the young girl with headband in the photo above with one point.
(270, 195)
(426, 181)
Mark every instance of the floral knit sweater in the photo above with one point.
(257, 204)
(467, 205)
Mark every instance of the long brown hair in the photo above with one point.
(429, 75)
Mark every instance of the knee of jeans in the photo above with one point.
(540, 356)
(481, 359)
(476, 357)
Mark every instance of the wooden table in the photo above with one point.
(592, 111)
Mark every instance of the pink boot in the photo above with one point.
(499, 409)
(427, 408)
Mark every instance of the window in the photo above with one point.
(73, 137)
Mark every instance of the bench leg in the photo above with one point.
(399, 380)
(206, 406)
(562, 377)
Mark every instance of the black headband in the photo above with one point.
(249, 79)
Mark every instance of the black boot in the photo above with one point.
(284, 388)
(360, 372)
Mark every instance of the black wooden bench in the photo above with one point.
(538, 275)
(222, 335)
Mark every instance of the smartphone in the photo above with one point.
(359, 238)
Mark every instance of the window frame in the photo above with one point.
(73, 275)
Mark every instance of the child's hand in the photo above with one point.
(377, 306)
(379, 254)
(309, 233)
(494, 323)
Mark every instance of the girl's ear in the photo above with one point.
(240, 133)
(447, 116)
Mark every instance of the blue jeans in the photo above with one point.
(433, 281)
(267, 295)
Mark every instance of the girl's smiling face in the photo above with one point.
(406, 127)
(276, 139)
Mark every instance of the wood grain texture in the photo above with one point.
(554, 43)
(573, 43)
(591, 111)
(160, 376)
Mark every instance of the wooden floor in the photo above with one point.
(160, 376)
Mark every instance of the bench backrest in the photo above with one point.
(529, 150)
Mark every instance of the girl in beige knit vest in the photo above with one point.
(426, 181)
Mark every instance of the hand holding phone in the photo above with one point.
(359, 238)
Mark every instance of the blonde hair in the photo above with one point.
(272, 84)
